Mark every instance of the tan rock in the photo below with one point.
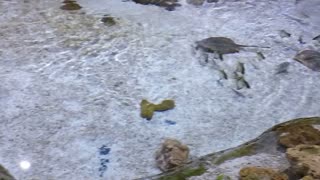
(307, 178)
(293, 135)
(258, 173)
(171, 155)
(305, 159)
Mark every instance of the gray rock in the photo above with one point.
(195, 2)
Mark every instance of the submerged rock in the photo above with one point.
(264, 151)
(293, 135)
(70, 5)
(171, 155)
(5, 175)
(108, 20)
(195, 2)
(258, 173)
(305, 160)
(309, 58)
(168, 4)
(212, 1)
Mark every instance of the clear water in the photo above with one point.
(71, 86)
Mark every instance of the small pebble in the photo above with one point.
(104, 150)
(169, 122)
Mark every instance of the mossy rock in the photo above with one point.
(185, 173)
(164, 105)
(258, 173)
(267, 143)
(223, 177)
(108, 20)
(70, 5)
(236, 153)
(147, 108)
(295, 134)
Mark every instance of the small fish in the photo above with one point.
(223, 74)
(240, 68)
(260, 55)
(301, 40)
(238, 93)
(309, 58)
(284, 34)
(282, 68)
(316, 38)
(242, 83)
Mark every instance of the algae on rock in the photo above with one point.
(185, 173)
(293, 135)
(147, 108)
(70, 5)
(243, 151)
(258, 173)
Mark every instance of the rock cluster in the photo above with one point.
(303, 143)
(289, 150)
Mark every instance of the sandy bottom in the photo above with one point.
(71, 86)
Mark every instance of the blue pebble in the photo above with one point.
(103, 166)
(104, 150)
(170, 122)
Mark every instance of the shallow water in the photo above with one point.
(72, 85)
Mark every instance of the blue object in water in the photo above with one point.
(103, 166)
(170, 122)
(104, 150)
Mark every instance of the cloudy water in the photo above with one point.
(73, 75)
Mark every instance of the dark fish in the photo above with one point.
(301, 40)
(167, 4)
(284, 34)
(220, 45)
(282, 68)
(238, 93)
(260, 55)
(240, 68)
(317, 37)
(223, 74)
(242, 83)
(309, 58)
